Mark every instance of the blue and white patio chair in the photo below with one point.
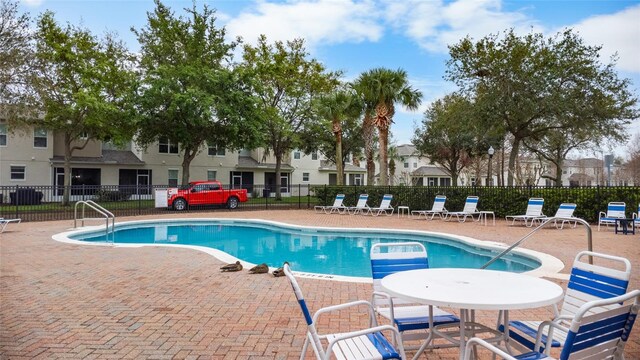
(412, 320)
(385, 206)
(470, 209)
(636, 217)
(336, 207)
(361, 207)
(588, 282)
(4, 222)
(534, 211)
(615, 210)
(599, 330)
(564, 211)
(437, 209)
(361, 344)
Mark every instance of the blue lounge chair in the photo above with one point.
(588, 282)
(412, 320)
(470, 209)
(437, 209)
(385, 206)
(598, 330)
(362, 344)
(534, 211)
(336, 207)
(636, 217)
(361, 207)
(615, 210)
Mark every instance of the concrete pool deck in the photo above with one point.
(72, 301)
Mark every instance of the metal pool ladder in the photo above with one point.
(545, 222)
(106, 214)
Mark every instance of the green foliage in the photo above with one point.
(110, 196)
(502, 200)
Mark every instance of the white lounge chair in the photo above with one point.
(437, 209)
(636, 217)
(361, 207)
(413, 321)
(361, 344)
(615, 210)
(385, 206)
(598, 330)
(587, 283)
(470, 209)
(4, 222)
(336, 207)
(564, 211)
(534, 211)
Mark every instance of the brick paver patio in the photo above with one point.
(70, 301)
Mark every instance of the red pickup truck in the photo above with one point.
(206, 193)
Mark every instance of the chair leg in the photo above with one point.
(304, 347)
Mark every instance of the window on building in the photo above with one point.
(314, 156)
(296, 154)
(305, 177)
(3, 134)
(172, 178)
(211, 175)
(40, 138)
(18, 172)
(357, 179)
(406, 165)
(432, 181)
(84, 136)
(216, 151)
(415, 165)
(167, 147)
(445, 182)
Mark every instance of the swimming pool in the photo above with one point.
(343, 252)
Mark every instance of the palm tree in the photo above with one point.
(336, 107)
(363, 87)
(384, 88)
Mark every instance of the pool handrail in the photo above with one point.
(99, 209)
(542, 224)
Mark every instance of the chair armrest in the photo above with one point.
(345, 306)
(365, 332)
(602, 214)
(389, 298)
(551, 324)
(477, 341)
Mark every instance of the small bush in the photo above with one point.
(110, 196)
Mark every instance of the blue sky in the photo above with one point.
(354, 36)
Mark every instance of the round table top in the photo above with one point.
(472, 289)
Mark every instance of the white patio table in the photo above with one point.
(470, 290)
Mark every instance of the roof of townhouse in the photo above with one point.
(585, 162)
(430, 171)
(247, 162)
(407, 150)
(326, 165)
(581, 177)
(123, 157)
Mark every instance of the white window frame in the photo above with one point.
(46, 138)
(24, 172)
(415, 165)
(216, 152)
(297, 155)
(4, 133)
(307, 175)
(168, 144)
(215, 174)
(314, 155)
(406, 164)
(357, 179)
(177, 176)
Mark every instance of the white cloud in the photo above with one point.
(618, 32)
(434, 24)
(317, 21)
(32, 3)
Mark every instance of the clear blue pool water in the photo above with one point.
(322, 251)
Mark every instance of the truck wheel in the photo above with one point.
(232, 203)
(179, 204)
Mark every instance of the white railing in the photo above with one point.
(106, 214)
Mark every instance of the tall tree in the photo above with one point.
(190, 94)
(531, 85)
(384, 88)
(448, 135)
(287, 84)
(15, 65)
(84, 86)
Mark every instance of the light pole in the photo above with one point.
(489, 177)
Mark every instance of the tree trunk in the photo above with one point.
(515, 148)
(186, 163)
(384, 137)
(368, 133)
(337, 131)
(558, 179)
(392, 172)
(278, 166)
(67, 170)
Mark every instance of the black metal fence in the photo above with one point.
(40, 203)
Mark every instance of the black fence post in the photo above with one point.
(17, 200)
(266, 198)
(299, 197)
(308, 196)
(139, 200)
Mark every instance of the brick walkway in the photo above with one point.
(68, 301)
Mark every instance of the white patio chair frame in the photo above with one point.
(565, 210)
(534, 211)
(336, 207)
(636, 217)
(588, 282)
(470, 209)
(599, 330)
(361, 207)
(436, 209)
(615, 210)
(385, 206)
(351, 345)
(413, 321)
(5, 222)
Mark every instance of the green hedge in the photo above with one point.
(502, 200)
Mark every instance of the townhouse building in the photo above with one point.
(413, 169)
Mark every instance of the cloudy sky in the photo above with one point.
(354, 36)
